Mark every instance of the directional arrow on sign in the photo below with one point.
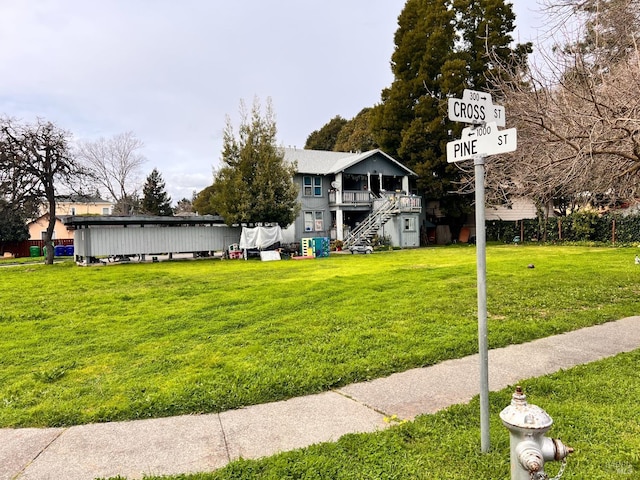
(475, 96)
(483, 140)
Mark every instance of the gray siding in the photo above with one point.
(313, 204)
(521, 208)
(399, 235)
(379, 164)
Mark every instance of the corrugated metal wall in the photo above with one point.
(136, 240)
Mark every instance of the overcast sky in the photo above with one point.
(170, 71)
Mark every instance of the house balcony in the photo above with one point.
(351, 197)
(363, 198)
(409, 203)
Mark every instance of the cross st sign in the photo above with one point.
(483, 140)
(475, 108)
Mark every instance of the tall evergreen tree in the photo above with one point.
(254, 184)
(155, 200)
(440, 50)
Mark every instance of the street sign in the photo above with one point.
(476, 113)
(483, 140)
(475, 108)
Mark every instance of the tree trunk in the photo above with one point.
(48, 235)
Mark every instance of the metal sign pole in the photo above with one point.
(477, 142)
(481, 262)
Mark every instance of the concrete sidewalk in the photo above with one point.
(200, 443)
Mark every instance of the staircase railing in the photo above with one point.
(372, 223)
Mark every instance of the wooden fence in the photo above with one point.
(23, 249)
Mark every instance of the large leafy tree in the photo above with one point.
(356, 134)
(203, 202)
(326, 137)
(155, 200)
(441, 49)
(254, 184)
(39, 159)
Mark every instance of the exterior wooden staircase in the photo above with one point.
(363, 233)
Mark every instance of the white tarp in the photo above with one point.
(259, 237)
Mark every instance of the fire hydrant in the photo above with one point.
(530, 449)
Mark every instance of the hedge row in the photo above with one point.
(577, 227)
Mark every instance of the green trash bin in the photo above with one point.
(34, 251)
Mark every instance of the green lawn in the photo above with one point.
(146, 340)
(595, 410)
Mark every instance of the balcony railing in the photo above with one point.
(408, 203)
(404, 203)
(352, 197)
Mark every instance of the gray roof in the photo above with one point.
(86, 220)
(320, 162)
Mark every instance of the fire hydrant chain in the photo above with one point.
(544, 476)
(561, 471)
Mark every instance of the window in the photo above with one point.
(319, 223)
(314, 221)
(105, 211)
(409, 224)
(312, 186)
(308, 221)
(73, 210)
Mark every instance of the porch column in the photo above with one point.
(380, 182)
(339, 188)
(369, 181)
(405, 184)
(339, 223)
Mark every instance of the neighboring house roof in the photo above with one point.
(44, 216)
(321, 162)
(81, 199)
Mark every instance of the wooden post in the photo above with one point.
(559, 229)
(613, 231)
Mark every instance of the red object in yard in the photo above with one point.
(464, 235)
(234, 251)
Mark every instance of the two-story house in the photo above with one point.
(74, 205)
(353, 196)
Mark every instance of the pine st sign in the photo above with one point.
(475, 108)
(483, 140)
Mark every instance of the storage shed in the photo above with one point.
(109, 236)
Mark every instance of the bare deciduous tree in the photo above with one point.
(37, 157)
(116, 165)
(578, 116)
